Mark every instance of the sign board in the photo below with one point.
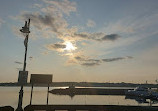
(41, 79)
(23, 75)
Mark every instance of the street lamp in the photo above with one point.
(25, 30)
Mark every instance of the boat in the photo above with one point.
(139, 92)
(154, 95)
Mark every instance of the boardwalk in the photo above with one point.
(88, 108)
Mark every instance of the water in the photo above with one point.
(9, 96)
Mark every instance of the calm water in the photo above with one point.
(9, 96)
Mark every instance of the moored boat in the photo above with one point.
(139, 92)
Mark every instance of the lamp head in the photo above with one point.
(25, 29)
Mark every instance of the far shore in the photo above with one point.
(81, 84)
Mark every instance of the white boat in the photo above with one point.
(154, 95)
(139, 92)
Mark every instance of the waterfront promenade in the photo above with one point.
(89, 108)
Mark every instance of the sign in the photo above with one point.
(41, 79)
(23, 75)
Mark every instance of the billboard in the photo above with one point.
(41, 79)
(23, 75)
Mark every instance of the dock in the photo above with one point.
(89, 108)
(88, 91)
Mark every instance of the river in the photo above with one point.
(9, 96)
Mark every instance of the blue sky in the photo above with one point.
(81, 40)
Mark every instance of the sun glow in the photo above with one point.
(69, 46)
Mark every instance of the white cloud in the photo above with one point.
(64, 6)
(57, 46)
(79, 59)
(50, 19)
(52, 22)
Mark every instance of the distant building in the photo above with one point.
(23, 75)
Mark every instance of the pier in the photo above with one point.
(89, 108)
(88, 91)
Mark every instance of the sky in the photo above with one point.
(81, 40)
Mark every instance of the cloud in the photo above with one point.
(97, 36)
(116, 59)
(17, 62)
(51, 20)
(133, 29)
(55, 23)
(129, 57)
(83, 58)
(16, 31)
(113, 59)
(90, 23)
(86, 61)
(57, 46)
(64, 6)
(110, 37)
(80, 58)
(90, 64)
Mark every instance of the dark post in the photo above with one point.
(31, 94)
(24, 30)
(20, 100)
(24, 67)
(47, 94)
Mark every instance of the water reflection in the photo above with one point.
(9, 96)
(138, 99)
(141, 100)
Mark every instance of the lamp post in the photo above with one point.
(25, 31)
